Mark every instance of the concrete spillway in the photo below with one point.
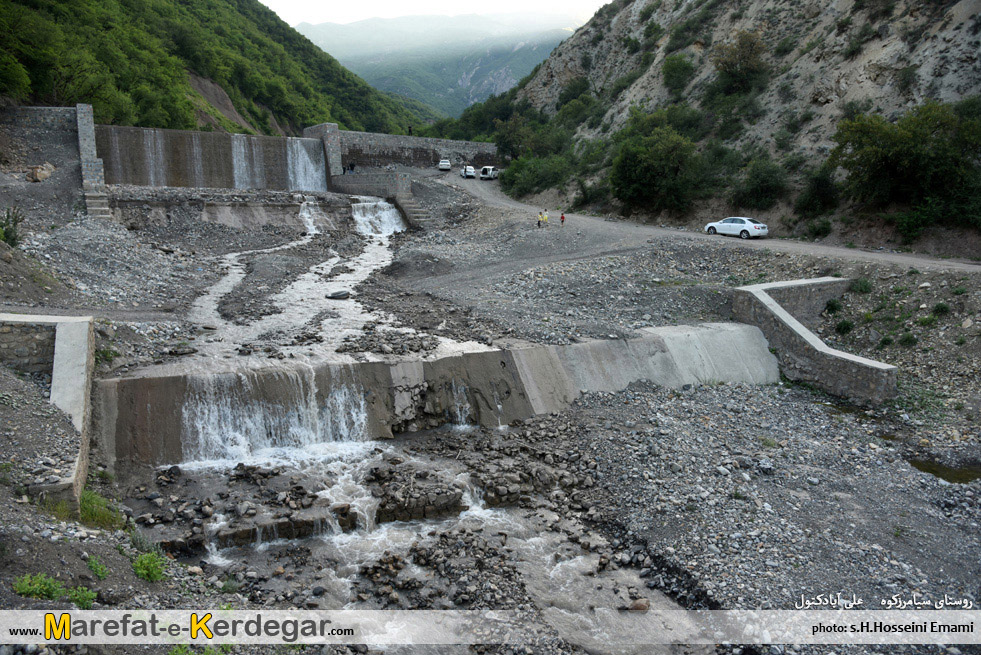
(159, 419)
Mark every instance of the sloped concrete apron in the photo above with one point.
(139, 421)
(802, 354)
(71, 380)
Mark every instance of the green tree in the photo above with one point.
(763, 183)
(677, 71)
(656, 172)
(741, 64)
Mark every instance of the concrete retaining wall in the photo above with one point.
(71, 364)
(803, 356)
(369, 149)
(178, 158)
(148, 421)
(381, 185)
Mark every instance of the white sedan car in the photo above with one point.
(468, 171)
(744, 228)
(444, 165)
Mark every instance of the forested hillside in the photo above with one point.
(226, 64)
(815, 117)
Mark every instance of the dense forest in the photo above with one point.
(130, 59)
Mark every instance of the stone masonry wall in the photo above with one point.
(48, 118)
(93, 174)
(27, 347)
(382, 185)
(802, 355)
(367, 149)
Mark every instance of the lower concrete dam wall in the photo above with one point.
(178, 158)
(157, 420)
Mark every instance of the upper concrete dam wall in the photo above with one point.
(177, 158)
(153, 420)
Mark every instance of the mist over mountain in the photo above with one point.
(448, 62)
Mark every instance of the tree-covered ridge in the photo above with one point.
(129, 59)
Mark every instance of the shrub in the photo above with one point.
(10, 222)
(929, 160)
(98, 569)
(150, 566)
(941, 309)
(649, 10)
(785, 47)
(833, 306)
(927, 321)
(819, 229)
(820, 194)
(885, 341)
(844, 326)
(586, 61)
(677, 71)
(38, 585)
(959, 291)
(660, 171)
(631, 44)
(906, 78)
(741, 64)
(573, 90)
(533, 174)
(763, 183)
(623, 83)
(907, 340)
(96, 512)
(82, 597)
(652, 32)
(860, 285)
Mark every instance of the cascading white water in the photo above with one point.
(153, 153)
(305, 162)
(373, 217)
(273, 416)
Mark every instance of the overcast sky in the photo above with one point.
(347, 11)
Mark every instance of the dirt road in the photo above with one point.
(607, 236)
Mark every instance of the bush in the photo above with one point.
(741, 64)
(38, 585)
(959, 291)
(929, 160)
(906, 78)
(677, 71)
(860, 285)
(927, 321)
(819, 229)
(96, 512)
(844, 326)
(763, 183)
(150, 566)
(573, 90)
(941, 309)
(533, 174)
(908, 340)
(649, 10)
(624, 82)
(833, 306)
(82, 597)
(656, 172)
(10, 222)
(98, 569)
(820, 194)
(785, 47)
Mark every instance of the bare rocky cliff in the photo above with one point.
(825, 59)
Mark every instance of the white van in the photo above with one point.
(489, 173)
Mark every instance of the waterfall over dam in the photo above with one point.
(172, 416)
(155, 157)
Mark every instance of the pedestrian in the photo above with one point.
(539, 219)
(562, 219)
(546, 218)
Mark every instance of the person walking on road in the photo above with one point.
(562, 220)
(539, 219)
(546, 218)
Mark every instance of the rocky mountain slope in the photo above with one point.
(825, 59)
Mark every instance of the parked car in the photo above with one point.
(744, 228)
(467, 171)
(489, 173)
(444, 165)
